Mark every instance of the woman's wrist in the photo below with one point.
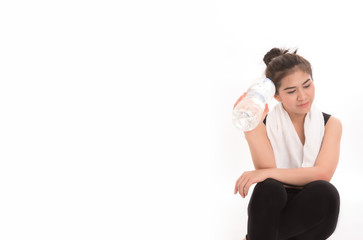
(268, 172)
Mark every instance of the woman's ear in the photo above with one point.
(277, 97)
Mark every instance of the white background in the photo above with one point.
(115, 118)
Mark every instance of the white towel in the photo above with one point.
(288, 150)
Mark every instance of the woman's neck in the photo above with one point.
(297, 118)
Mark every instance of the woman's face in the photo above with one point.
(297, 92)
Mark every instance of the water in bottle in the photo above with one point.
(248, 113)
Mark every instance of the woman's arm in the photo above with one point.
(260, 147)
(259, 144)
(324, 168)
(326, 162)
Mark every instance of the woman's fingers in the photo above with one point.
(239, 99)
(266, 108)
(247, 187)
(247, 179)
(265, 112)
(237, 185)
(244, 183)
(243, 187)
(240, 184)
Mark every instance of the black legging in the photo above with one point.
(276, 212)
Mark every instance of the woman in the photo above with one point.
(295, 151)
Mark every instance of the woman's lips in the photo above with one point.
(303, 105)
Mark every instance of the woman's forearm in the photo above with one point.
(296, 176)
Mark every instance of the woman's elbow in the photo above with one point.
(324, 175)
(264, 166)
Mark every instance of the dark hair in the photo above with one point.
(281, 62)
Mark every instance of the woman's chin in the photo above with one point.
(303, 109)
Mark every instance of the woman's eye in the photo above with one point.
(307, 86)
(291, 92)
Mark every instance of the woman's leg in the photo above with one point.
(267, 201)
(312, 214)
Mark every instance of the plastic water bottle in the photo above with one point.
(248, 112)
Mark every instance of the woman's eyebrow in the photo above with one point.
(306, 81)
(295, 87)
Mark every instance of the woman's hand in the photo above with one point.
(245, 181)
(264, 112)
(240, 99)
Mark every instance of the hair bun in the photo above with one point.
(275, 52)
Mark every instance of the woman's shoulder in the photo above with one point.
(332, 120)
(334, 125)
(326, 117)
(335, 120)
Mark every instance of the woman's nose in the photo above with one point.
(301, 95)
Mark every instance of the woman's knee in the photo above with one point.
(327, 202)
(270, 189)
(268, 196)
(325, 193)
(325, 188)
